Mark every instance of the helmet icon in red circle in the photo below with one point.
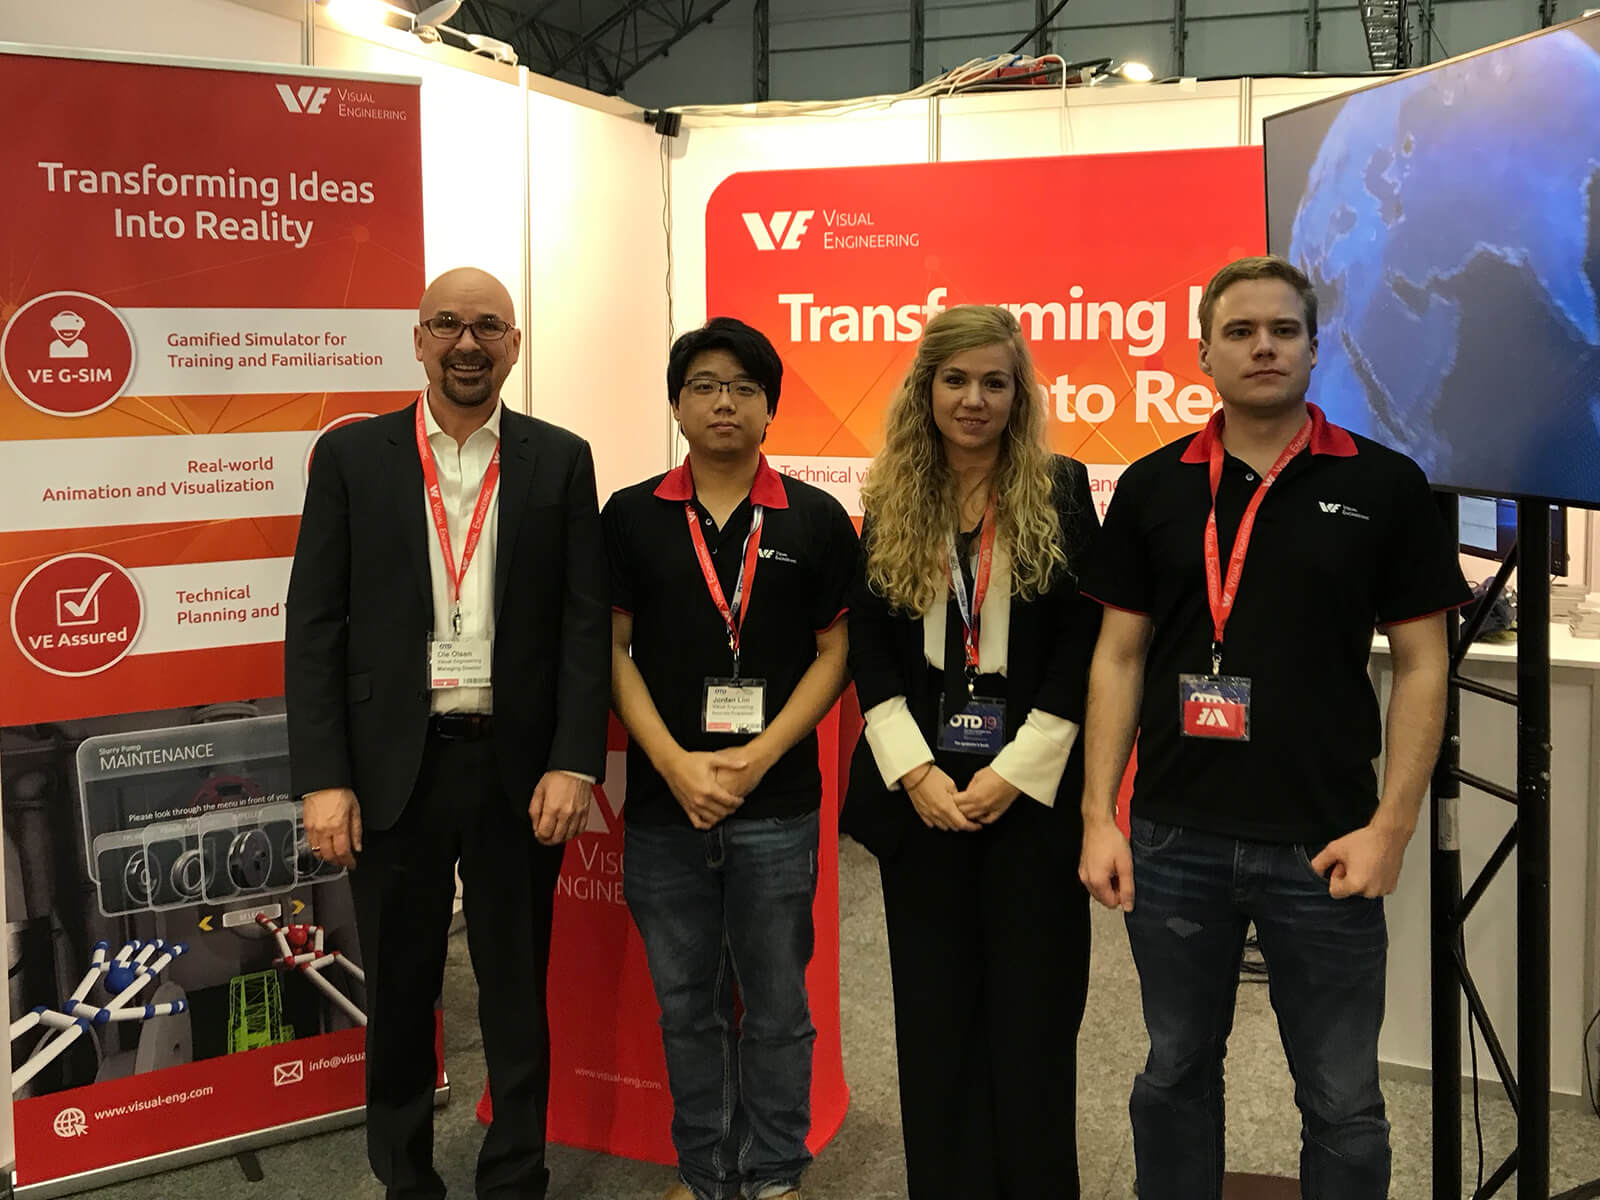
(77, 614)
(67, 354)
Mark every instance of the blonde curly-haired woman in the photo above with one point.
(970, 648)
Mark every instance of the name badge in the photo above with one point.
(459, 663)
(979, 727)
(734, 706)
(1214, 706)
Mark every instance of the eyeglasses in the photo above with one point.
(703, 387)
(448, 327)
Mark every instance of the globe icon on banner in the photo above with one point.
(1451, 227)
(71, 1122)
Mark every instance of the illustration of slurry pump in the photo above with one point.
(125, 976)
(302, 947)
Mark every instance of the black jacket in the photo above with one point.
(360, 611)
(1050, 644)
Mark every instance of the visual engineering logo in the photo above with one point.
(306, 100)
(781, 231)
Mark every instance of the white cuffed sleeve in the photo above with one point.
(1033, 761)
(896, 740)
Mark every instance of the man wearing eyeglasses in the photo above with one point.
(446, 660)
(728, 647)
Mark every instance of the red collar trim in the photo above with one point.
(766, 490)
(1326, 438)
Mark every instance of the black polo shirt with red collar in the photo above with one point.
(807, 554)
(1348, 538)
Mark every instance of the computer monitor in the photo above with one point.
(1489, 530)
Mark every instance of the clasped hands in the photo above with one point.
(941, 805)
(710, 784)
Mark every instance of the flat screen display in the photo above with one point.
(1489, 530)
(1450, 221)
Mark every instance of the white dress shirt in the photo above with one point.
(461, 469)
(1032, 762)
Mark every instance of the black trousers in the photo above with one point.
(404, 887)
(989, 950)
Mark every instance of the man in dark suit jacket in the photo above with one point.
(447, 663)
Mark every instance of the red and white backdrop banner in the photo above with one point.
(1102, 258)
(201, 269)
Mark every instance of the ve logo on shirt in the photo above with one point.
(1333, 506)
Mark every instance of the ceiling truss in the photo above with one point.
(607, 45)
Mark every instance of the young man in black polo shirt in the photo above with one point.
(1242, 571)
(728, 582)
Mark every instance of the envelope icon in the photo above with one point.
(288, 1072)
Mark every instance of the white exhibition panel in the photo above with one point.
(474, 164)
(1176, 116)
(1271, 96)
(213, 29)
(1489, 749)
(595, 342)
(1106, 120)
(1111, 120)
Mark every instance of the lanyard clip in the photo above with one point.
(455, 620)
(1216, 658)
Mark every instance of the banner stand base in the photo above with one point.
(155, 1164)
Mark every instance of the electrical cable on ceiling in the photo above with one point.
(968, 75)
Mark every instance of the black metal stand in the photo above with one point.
(1529, 837)
(1444, 874)
(1533, 849)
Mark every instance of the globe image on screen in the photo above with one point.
(1451, 226)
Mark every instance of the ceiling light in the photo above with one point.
(436, 14)
(492, 47)
(1110, 74)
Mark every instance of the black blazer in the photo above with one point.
(360, 611)
(1050, 643)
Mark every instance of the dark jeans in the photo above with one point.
(1194, 896)
(724, 908)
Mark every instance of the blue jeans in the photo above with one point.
(724, 908)
(1194, 896)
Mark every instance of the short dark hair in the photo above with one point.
(757, 357)
(1267, 266)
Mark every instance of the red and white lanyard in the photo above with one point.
(1220, 593)
(441, 523)
(973, 607)
(733, 611)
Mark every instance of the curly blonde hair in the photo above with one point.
(910, 491)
